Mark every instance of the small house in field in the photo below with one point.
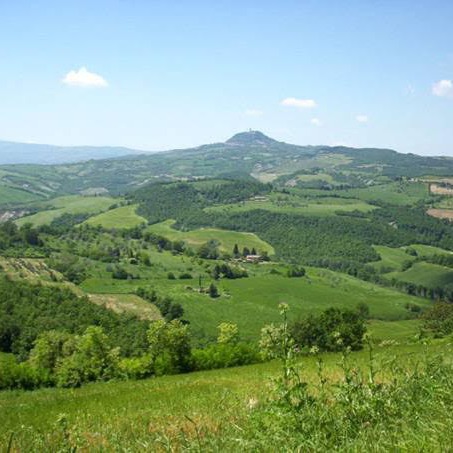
(253, 258)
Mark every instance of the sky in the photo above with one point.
(157, 75)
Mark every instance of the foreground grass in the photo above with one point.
(222, 410)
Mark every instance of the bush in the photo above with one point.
(224, 356)
(333, 330)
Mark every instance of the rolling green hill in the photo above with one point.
(245, 154)
(122, 217)
(72, 204)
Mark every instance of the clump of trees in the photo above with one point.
(226, 271)
(332, 330)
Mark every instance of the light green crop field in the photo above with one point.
(252, 302)
(123, 217)
(227, 239)
(71, 204)
(318, 207)
(156, 414)
(426, 274)
(9, 195)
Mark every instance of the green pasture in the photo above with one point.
(123, 217)
(252, 302)
(426, 274)
(392, 258)
(71, 204)
(227, 239)
(11, 196)
(295, 205)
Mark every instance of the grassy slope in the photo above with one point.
(72, 204)
(127, 303)
(426, 274)
(198, 237)
(9, 195)
(391, 258)
(320, 207)
(137, 414)
(123, 217)
(252, 302)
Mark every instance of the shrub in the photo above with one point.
(333, 330)
(224, 356)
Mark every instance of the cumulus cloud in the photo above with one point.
(300, 103)
(316, 122)
(84, 78)
(253, 112)
(362, 118)
(443, 88)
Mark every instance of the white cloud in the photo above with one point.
(362, 118)
(443, 88)
(253, 112)
(84, 78)
(301, 103)
(316, 122)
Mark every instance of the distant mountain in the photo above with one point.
(245, 155)
(251, 138)
(30, 153)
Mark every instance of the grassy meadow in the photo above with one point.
(426, 274)
(295, 205)
(71, 204)
(122, 217)
(226, 239)
(220, 410)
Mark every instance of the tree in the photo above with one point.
(245, 251)
(50, 348)
(236, 252)
(333, 330)
(228, 333)
(169, 346)
(213, 291)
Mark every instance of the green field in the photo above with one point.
(252, 302)
(123, 217)
(426, 274)
(295, 205)
(396, 193)
(392, 258)
(11, 196)
(406, 193)
(163, 414)
(227, 239)
(71, 204)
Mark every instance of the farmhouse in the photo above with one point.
(253, 258)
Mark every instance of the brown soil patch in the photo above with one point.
(441, 213)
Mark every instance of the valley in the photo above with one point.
(139, 255)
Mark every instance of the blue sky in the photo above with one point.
(157, 75)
